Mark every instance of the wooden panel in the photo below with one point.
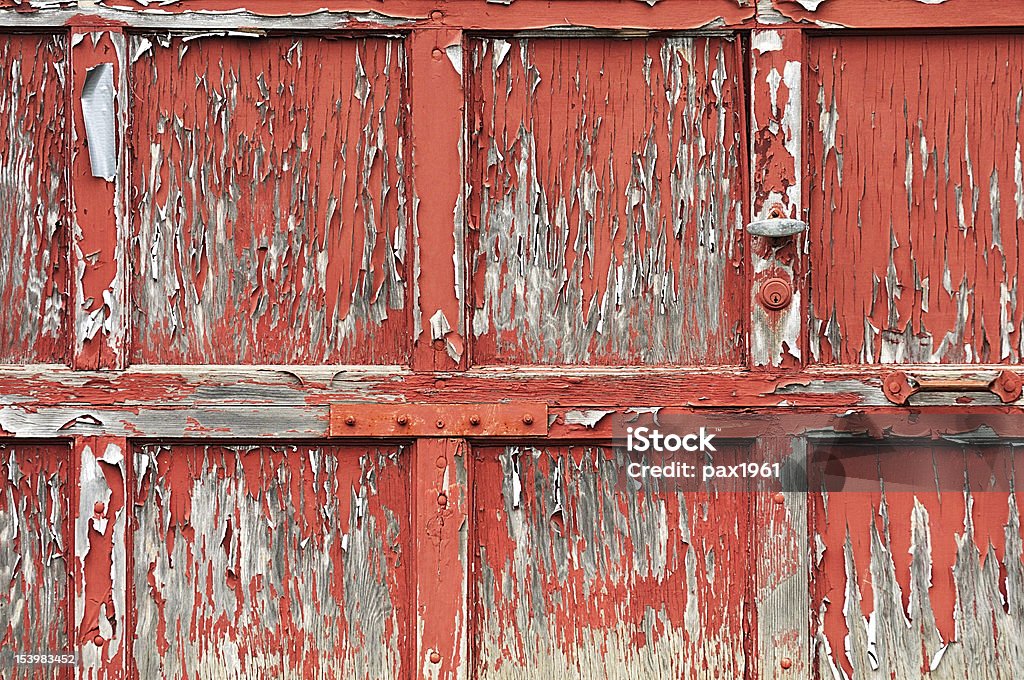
(34, 219)
(35, 602)
(374, 14)
(271, 561)
(916, 198)
(913, 14)
(581, 576)
(271, 214)
(607, 201)
(920, 575)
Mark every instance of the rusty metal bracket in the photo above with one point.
(439, 420)
(899, 387)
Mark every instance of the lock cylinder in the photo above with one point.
(775, 293)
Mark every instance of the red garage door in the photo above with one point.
(324, 324)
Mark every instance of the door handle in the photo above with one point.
(898, 386)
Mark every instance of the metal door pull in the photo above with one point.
(777, 227)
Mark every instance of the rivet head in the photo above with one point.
(780, 498)
(98, 640)
(437, 53)
(439, 424)
(442, 499)
(474, 419)
(435, 657)
(437, 15)
(402, 419)
(99, 508)
(786, 663)
(350, 421)
(528, 419)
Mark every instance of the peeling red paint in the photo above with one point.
(448, 206)
(598, 210)
(919, 580)
(99, 226)
(916, 199)
(891, 13)
(271, 207)
(35, 562)
(582, 577)
(34, 208)
(293, 558)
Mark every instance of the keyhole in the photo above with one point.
(775, 298)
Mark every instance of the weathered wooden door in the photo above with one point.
(324, 322)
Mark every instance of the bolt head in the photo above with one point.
(402, 419)
(528, 419)
(435, 657)
(474, 419)
(439, 424)
(350, 420)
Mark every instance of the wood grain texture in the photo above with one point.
(271, 215)
(607, 201)
(270, 561)
(916, 199)
(580, 576)
(35, 512)
(34, 215)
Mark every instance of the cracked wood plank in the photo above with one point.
(608, 227)
(916, 199)
(270, 560)
(34, 210)
(271, 218)
(580, 576)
